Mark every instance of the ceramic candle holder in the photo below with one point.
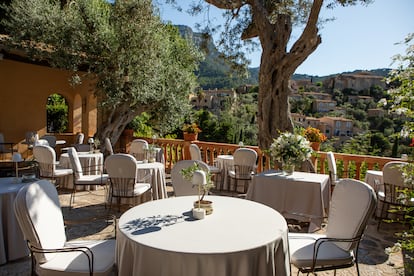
(199, 213)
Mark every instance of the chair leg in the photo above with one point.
(219, 181)
(357, 267)
(110, 203)
(380, 215)
(246, 185)
(33, 263)
(235, 184)
(72, 196)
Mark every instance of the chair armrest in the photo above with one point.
(320, 241)
(83, 249)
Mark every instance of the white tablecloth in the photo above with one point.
(302, 196)
(224, 162)
(161, 238)
(92, 163)
(156, 172)
(371, 177)
(12, 243)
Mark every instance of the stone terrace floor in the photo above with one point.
(372, 257)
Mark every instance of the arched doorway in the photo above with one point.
(57, 111)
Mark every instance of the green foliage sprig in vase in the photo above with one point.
(188, 172)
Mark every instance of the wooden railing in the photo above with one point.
(348, 165)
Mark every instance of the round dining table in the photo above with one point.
(12, 243)
(155, 171)
(224, 163)
(161, 237)
(375, 179)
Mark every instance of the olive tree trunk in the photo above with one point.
(277, 63)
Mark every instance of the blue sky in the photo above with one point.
(360, 37)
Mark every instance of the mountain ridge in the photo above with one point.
(214, 72)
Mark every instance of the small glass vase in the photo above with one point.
(288, 168)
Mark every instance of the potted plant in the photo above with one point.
(204, 186)
(315, 136)
(290, 149)
(131, 127)
(191, 131)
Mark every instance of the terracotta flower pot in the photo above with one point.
(315, 146)
(190, 136)
(206, 205)
(128, 133)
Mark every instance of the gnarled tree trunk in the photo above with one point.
(277, 63)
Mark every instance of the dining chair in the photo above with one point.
(333, 176)
(48, 166)
(80, 179)
(108, 146)
(195, 154)
(39, 214)
(31, 137)
(5, 147)
(122, 170)
(138, 149)
(42, 142)
(395, 196)
(82, 147)
(79, 138)
(181, 186)
(243, 169)
(51, 139)
(352, 205)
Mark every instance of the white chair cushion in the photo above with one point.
(214, 169)
(348, 211)
(195, 152)
(75, 162)
(140, 188)
(301, 251)
(77, 262)
(36, 226)
(63, 172)
(92, 179)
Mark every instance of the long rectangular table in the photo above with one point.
(301, 196)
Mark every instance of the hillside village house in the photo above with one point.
(356, 81)
(25, 87)
(339, 127)
(212, 99)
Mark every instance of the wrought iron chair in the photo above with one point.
(138, 149)
(395, 195)
(353, 203)
(243, 168)
(124, 183)
(195, 154)
(38, 212)
(5, 147)
(79, 179)
(181, 186)
(45, 156)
